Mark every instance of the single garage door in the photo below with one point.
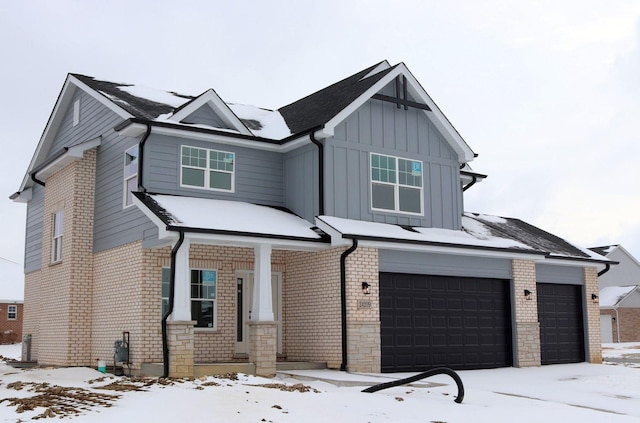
(561, 325)
(433, 321)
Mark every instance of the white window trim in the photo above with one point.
(57, 238)
(214, 328)
(76, 112)
(207, 169)
(15, 312)
(396, 186)
(128, 178)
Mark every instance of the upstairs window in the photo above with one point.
(56, 241)
(396, 184)
(130, 174)
(208, 169)
(12, 312)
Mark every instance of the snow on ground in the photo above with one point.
(574, 392)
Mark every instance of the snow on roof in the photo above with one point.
(155, 95)
(474, 233)
(262, 122)
(230, 216)
(610, 296)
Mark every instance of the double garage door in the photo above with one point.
(432, 321)
(465, 323)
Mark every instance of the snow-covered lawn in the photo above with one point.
(574, 392)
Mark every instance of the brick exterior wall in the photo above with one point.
(11, 330)
(527, 328)
(629, 324)
(592, 316)
(363, 312)
(311, 308)
(66, 285)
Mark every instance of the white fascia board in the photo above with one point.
(381, 66)
(133, 130)
(162, 227)
(336, 237)
(100, 98)
(573, 263)
(24, 196)
(214, 101)
(436, 116)
(249, 241)
(71, 155)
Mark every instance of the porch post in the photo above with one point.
(262, 301)
(263, 334)
(182, 297)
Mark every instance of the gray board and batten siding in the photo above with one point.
(380, 127)
(395, 261)
(301, 182)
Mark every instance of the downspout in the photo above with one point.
(141, 158)
(36, 180)
(607, 267)
(617, 324)
(320, 146)
(470, 184)
(343, 300)
(172, 290)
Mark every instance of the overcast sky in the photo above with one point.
(546, 92)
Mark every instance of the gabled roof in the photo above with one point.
(319, 107)
(613, 296)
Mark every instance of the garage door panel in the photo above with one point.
(561, 323)
(454, 323)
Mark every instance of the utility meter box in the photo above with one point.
(121, 351)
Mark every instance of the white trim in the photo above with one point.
(381, 66)
(71, 155)
(211, 98)
(24, 196)
(15, 312)
(57, 235)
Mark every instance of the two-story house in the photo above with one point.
(330, 230)
(619, 296)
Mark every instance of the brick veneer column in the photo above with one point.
(592, 315)
(363, 312)
(527, 329)
(263, 343)
(180, 342)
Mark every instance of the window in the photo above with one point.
(56, 242)
(130, 174)
(203, 296)
(209, 169)
(396, 184)
(12, 312)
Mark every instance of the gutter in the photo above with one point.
(343, 300)
(607, 267)
(172, 290)
(141, 159)
(46, 163)
(312, 137)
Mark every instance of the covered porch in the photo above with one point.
(214, 242)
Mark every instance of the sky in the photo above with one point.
(563, 392)
(547, 93)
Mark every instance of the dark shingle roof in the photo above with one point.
(604, 250)
(137, 106)
(319, 107)
(530, 235)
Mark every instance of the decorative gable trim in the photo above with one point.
(211, 99)
(465, 154)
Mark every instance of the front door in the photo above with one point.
(244, 301)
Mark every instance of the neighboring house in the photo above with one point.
(11, 292)
(619, 296)
(330, 230)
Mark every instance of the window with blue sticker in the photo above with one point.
(209, 169)
(396, 184)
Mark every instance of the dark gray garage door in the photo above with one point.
(561, 325)
(433, 321)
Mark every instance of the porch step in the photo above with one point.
(208, 369)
